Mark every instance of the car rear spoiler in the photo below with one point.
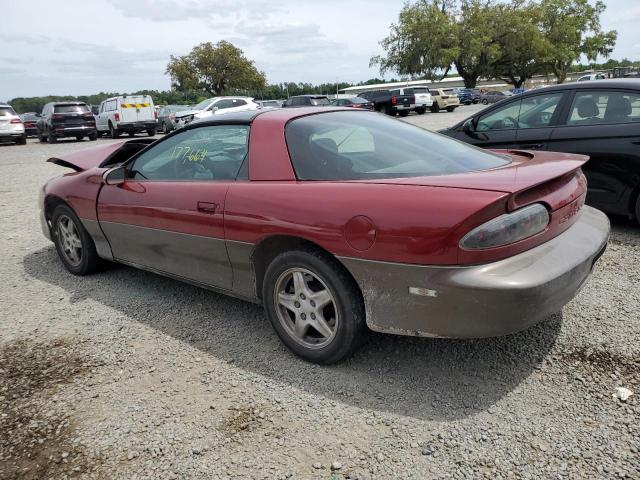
(100, 156)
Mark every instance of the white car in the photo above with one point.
(423, 99)
(592, 76)
(215, 106)
(11, 127)
(126, 114)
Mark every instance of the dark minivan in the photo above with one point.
(599, 119)
(66, 119)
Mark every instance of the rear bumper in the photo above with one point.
(61, 131)
(137, 126)
(484, 300)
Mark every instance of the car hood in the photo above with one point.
(526, 170)
(186, 113)
(97, 156)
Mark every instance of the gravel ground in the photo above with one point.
(129, 375)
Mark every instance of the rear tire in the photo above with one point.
(403, 113)
(42, 137)
(22, 140)
(390, 111)
(638, 209)
(300, 277)
(52, 138)
(421, 111)
(79, 137)
(165, 129)
(485, 102)
(113, 132)
(450, 109)
(93, 136)
(435, 108)
(151, 133)
(73, 243)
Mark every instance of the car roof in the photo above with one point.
(607, 83)
(69, 102)
(247, 117)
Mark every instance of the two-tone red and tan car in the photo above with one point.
(336, 220)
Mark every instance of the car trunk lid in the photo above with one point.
(102, 156)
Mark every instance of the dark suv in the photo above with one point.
(66, 119)
(307, 101)
(391, 102)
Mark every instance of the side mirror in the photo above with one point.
(468, 126)
(115, 176)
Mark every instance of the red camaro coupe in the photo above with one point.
(336, 220)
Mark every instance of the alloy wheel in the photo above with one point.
(306, 308)
(70, 242)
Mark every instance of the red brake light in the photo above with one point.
(117, 117)
(394, 100)
(155, 114)
(15, 120)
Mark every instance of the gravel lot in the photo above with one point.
(129, 375)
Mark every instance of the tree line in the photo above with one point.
(511, 40)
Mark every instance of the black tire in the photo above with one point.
(42, 137)
(485, 101)
(165, 129)
(435, 108)
(346, 296)
(389, 110)
(79, 137)
(132, 134)
(638, 209)
(93, 136)
(450, 109)
(421, 111)
(89, 260)
(152, 132)
(403, 113)
(113, 132)
(51, 138)
(22, 140)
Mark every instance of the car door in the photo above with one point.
(168, 214)
(536, 119)
(497, 128)
(604, 123)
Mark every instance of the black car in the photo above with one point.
(353, 102)
(391, 102)
(29, 121)
(66, 119)
(307, 101)
(599, 119)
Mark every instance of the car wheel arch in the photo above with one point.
(270, 247)
(51, 202)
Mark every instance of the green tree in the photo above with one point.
(423, 42)
(572, 28)
(216, 69)
(521, 43)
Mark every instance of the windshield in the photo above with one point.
(70, 108)
(320, 101)
(204, 104)
(359, 146)
(6, 112)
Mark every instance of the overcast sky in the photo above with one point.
(78, 47)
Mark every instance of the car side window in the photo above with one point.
(604, 107)
(222, 104)
(503, 118)
(198, 154)
(238, 102)
(537, 111)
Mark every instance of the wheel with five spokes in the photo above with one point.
(314, 305)
(74, 245)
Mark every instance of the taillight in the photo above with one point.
(15, 120)
(155, 114)
(116, 116)
(508, 228)
(394, 100)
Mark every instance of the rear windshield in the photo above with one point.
(420, 90)
(358, 100)
(320, 101)
(70, 108)
(6, 112)
(360, 146)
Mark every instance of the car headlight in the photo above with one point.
(508, 228)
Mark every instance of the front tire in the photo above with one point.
(314, 305)
(485, 102)
(52, 137)
(165, 128)
(450, 109)
(421, 111)
(93, 136)
(74, 244)
(22, 140)
(435, 108)
(638, 209)
(151, 133)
